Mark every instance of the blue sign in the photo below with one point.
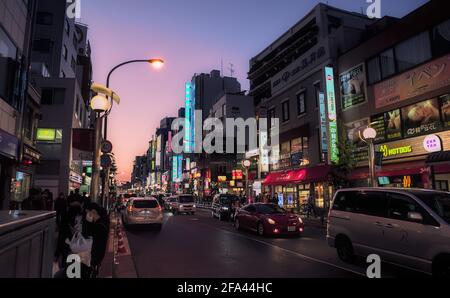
(280, 200)
(9, 144)
(290, 199)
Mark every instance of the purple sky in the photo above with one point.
(192, 36)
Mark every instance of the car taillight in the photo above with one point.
(130, 209)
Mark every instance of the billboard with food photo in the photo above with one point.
(353, 87)
(445, 109)
(421, 118)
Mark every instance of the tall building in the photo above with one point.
(62, 69)
(397, 82)
(202, 93)
(289, 82)
(19, 102)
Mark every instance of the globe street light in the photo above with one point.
(368, 136)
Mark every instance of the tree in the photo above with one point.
(341, 171)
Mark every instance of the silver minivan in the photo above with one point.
(406, 227)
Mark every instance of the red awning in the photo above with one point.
(400, 169)
(308, 175)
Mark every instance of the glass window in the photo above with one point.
(8, 66)
(439, 203)
(414, 51)
(43, 45)
(296, 145)
(371, 203)
(286, 148)
(441, 39)
(345, 201)
(141, 204)
(400, 206)
(317, 91)
(53, 96)
(186, 199)
(270, 209)
(301, 103)
(373, 70)
(285, 108)
(387, 61)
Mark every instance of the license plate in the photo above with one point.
(292, 229)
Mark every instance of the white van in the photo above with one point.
(410, 228)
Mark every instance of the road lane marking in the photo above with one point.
(287, 250)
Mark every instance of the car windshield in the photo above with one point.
(439, 203)
(140, 204)
(186, 199)
(173, 199)
(271, 209)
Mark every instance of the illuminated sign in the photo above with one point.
(432, 143)
(332, 115)
(174, 169)
(407, 182)
(180, 168)
(388, 152)
(237, 175)
(46, 134)
(323, 122)
(188, 118)
(222, 178)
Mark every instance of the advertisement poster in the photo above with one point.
(353, 87)
(393, 121)
(378, 123)
(426, 78)
(421, 118)
(445, 108)
(280, 200)
(290, 199)
(354, 129)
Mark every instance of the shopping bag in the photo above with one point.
(82, 247)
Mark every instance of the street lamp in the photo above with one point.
(368, 136)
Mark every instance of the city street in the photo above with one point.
(202, 247)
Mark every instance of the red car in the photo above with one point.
(268, 219)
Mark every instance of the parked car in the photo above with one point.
(410, 228)
(224, 206)
(143, 211)
(184, 204)
(268, 219)
(170, 203)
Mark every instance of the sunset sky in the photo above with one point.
(192, 36)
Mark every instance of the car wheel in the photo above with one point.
(237, 224)
(441, 268)
(345, 250)
(260, 229)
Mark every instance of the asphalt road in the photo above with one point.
(202, 247)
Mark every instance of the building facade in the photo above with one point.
(289, 82)
(398, 82)
(62, 69)
(18, 105)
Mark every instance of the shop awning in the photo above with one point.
(400, 169)
(308, 175)
(438, 157)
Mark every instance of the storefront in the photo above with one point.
(9, 145)
(405, 164)
(293, 189)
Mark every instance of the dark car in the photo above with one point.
(268, 219)
(224, 206)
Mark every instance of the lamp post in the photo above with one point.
(368, 136)
(246, 163)
(103, 105)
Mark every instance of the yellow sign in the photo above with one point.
(222, 178)
(388, 152)
(46, 134)
(407, 182)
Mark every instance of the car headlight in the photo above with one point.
(194, 206)
(181, 206)
(271, 221)
(225, 208)
(300, 220)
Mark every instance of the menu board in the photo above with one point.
(377, 123)
(421, 118)
(393, 124)
(445, 109)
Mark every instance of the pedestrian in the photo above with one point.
(64, 232)
(96, 226)
(61, 208)
(34, 201)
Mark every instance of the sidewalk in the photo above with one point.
(118, 261)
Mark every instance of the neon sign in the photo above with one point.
(332, 115)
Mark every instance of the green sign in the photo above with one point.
(332, 115)
(46, 134)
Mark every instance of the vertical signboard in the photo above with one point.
(323, 123)
(188, 118)
(332, 115)
(180, 168)
(174, 168)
